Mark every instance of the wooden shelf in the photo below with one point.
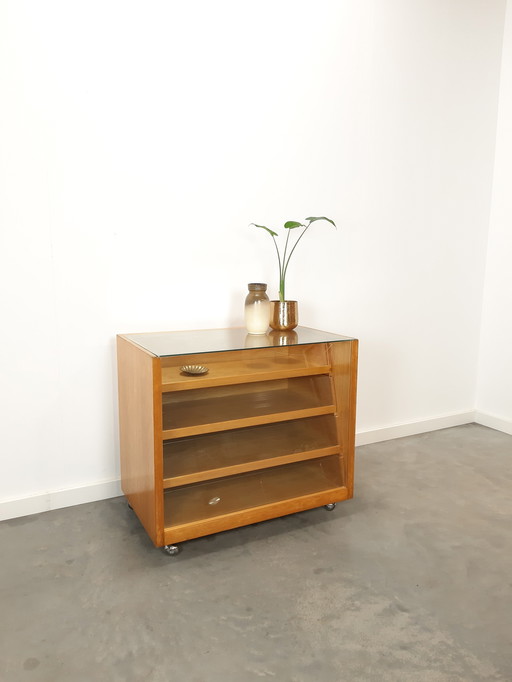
(221, 409)
(214, 455)
(268, 431)
(239, 367)
(202, 501)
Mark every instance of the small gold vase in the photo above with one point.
(284, 315)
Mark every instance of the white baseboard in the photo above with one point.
(493, 422)
(57, 499)
(413, 428)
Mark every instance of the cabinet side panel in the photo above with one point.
(137, 432)
(343, 357)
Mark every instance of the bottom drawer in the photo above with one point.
(197, 502)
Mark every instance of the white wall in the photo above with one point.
(139, 140)
(495, 371)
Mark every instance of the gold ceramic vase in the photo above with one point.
(284, 315)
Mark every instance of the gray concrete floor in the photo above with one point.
(411, 580)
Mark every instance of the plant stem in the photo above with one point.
(286, 263)
(281, 281)
(282, 271)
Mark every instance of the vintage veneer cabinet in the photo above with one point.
(267, 431)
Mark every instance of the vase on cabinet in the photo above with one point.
(257, 308)
(284, 315)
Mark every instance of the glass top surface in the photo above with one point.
(163, 344)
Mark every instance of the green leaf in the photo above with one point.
(290, 224)
(312, 220)
(271, 232)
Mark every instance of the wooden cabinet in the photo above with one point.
(267, 431)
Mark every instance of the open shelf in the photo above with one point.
(269, 430)
(203, 501)
(199, 458)
(229, 407)
(239, 367)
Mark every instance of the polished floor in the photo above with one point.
(411, 580)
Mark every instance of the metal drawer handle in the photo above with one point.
(214, 500)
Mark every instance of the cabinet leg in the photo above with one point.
(330, 506)
(172, 550)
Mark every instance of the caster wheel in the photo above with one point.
(172, 550)
(331, 506)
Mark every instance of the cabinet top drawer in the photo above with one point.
(241, 367)
(165, 344)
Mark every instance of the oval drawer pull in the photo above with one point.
(214, 500)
